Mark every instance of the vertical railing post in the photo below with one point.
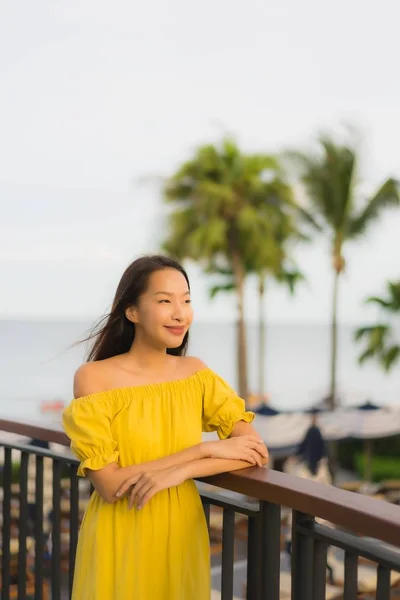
(6, 529)
(254, 558)
(22, 525)
(56, 533)
(350, 576)
(228, 549)
(73, 522)
(39, 534)
(270, 550)
(302, 559)
(383, 587)
(319, 567)
(206, 508)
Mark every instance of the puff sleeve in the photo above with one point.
(222, 407)
(87, 423)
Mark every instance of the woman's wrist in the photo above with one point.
(206, 449)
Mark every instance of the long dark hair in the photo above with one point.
(114, 333)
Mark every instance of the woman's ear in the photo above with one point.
(131, 314)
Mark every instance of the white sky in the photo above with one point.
(95, 95)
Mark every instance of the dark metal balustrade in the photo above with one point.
(46, 570)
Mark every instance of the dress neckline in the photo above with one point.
(145, 385)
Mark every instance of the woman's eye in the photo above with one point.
(163, 301)
(188, 301)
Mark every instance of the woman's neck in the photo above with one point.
(146, 358)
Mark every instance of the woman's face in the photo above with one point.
(163, 313)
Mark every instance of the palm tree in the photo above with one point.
(329, 177)
(380, 340)
(288, 276)
(270, 262)
(216, 221)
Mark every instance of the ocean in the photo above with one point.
(38, 360)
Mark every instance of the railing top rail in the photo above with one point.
(358, 513)
(46, 432)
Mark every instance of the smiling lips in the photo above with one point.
(178, 331)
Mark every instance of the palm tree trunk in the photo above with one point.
(334, 336)
(333, 448)
(241, 327)
(261, 336)
(368, 460)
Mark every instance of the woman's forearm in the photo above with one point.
(107, 480)
(197, 452)
(212, 466)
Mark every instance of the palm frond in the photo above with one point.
(377, 300)
(392, 302)
(217, 289)
(309, 219)
(363, 332)
(366, 355)
(387, 196)
(290, 278)
(328, 176)
(390, 357)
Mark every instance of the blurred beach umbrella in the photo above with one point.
(368, 405)
(266, 411)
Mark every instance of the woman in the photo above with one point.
(136, 426)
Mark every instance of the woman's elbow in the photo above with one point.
(103, 486)
(105, 494)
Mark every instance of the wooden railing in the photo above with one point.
(359, 526)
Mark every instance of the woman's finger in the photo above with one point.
(247, 457)
(143, 481)
(128, 483)
(260, 448)
(143, 492)
(148, 496)
(256, 457)
(250, 456)
(136, 491)
(257, 439)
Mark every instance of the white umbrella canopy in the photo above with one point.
(287, 430)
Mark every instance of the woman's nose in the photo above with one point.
(177, 313)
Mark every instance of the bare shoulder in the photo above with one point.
(190, 365)
(90, 378)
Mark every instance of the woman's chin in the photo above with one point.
(174, 346)
(174, 343)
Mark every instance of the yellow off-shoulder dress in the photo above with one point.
(160, 552)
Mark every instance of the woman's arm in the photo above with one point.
(214, 466)
(143, 486)
(211, 466)
(243, 428)
(108, 480)
(239, 452)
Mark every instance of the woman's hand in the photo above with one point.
(144, 485)
(243, 447)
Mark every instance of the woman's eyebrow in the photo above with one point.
(171, 294)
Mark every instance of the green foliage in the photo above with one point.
(232, 213)
(15, 468)
(383, 467)
(348, 450)
(225, 201)
(379, 340)
(329, 176)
